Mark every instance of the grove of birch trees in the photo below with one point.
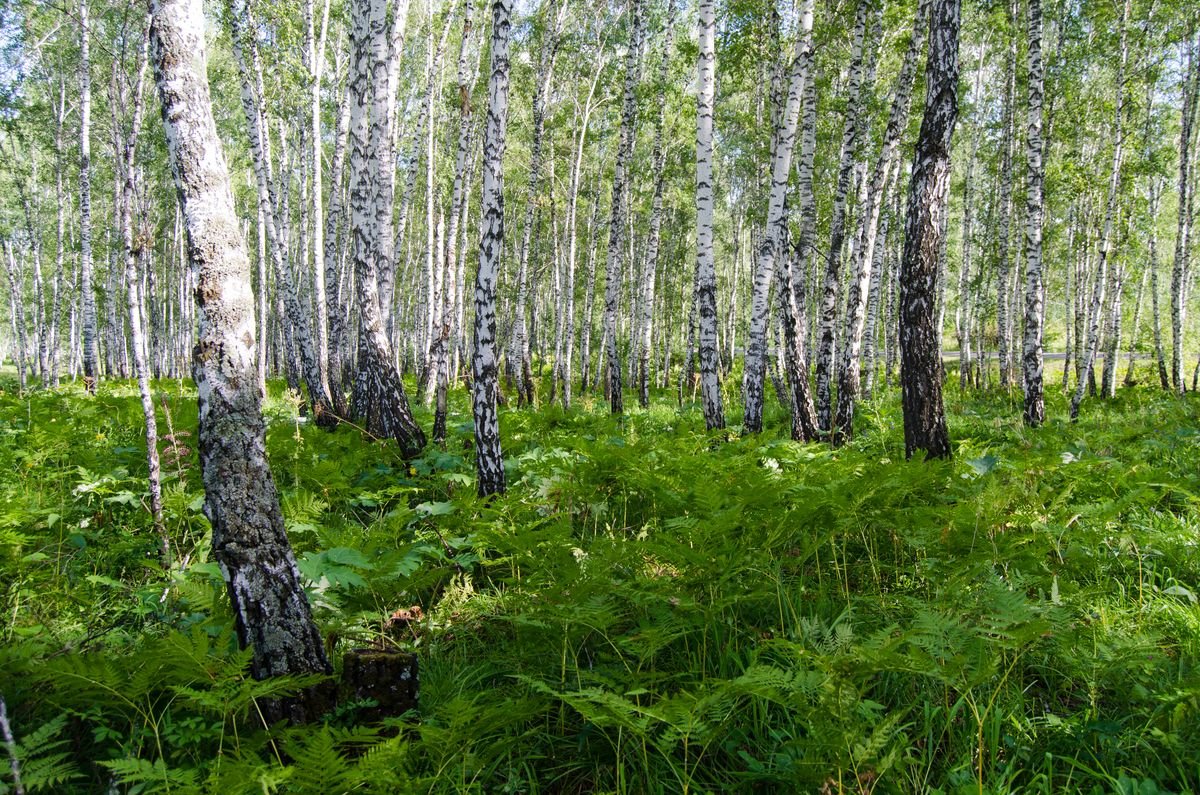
(875, 192)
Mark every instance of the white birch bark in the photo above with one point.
(466, 73)
(16, 300)
(1004, 268)
(705, 304)
(273, 206)
(1160, 357)
(1181, 267)
(485, 383)
(1035, 403)
(87, 297)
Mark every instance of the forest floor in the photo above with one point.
(650, 608)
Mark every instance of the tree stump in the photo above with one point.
(387, 677)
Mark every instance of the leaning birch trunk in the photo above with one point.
(659, 159)
(248, 537)
(1035, 319)
(379, 397)
(1180, 272)
(864, 252)
(87, 292)
(135, 306)
(831, 286)
(620, 209)
(920, 357)
(485, 382)
(706, 275)
(775, 232)
(1114, 187)
(572, 242)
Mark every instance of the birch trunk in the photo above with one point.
(921, 366)
(379, 397)
(1133, 333)
(60, 230)
(333, 304)
(274, 212)
(1035, 402)
(1181, 269)
(16, 295)
(450, 258)
(572, 241)
(248, 537)
(706, 275)
(314, 58)
(519, 343)
(485, 384)
(87, 295)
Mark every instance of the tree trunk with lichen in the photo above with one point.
(249, 542)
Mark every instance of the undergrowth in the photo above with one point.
(651, 608)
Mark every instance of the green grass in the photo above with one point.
(651, 608)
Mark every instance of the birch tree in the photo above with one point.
(1180, 271)
(1035, 406)
(706, 275)
(774, 234)
(485, 382)
(379, 396)
(249, 542)
(87, 294)
(920, 354)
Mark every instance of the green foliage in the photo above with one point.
(650, 608)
